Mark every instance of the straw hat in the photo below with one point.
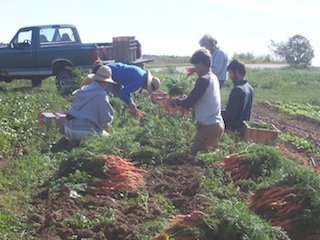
(153, 83)
(104, 74)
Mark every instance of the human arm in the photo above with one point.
(196, 93)
(134, 110)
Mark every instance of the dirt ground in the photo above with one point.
(177, 180)
(297, 126)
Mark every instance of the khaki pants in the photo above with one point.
(207, 137)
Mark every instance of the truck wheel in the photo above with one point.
(36, 82)
(64, 81)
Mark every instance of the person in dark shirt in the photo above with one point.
(240, 99)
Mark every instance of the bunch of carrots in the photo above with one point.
(168, 104)
(233, 163)
(121, 175)
(280, 204)
(179, 223)
(158, 96)
(171, 108)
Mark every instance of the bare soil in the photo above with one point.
(177, 180)
(294, 125)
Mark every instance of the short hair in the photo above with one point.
(202, 56)
(208, 42)
(236, 65)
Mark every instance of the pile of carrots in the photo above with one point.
(179, 223)
(233, 163)
(281, 205)
(171, 108)
(158, 96)
(121, 175)
(168, 104)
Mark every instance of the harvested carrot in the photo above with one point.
(121, 175)
(171, 108)
(280, 204)
(180, 222)
(158, 96)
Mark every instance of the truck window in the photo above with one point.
(46, 35)
(66, 35)
(56, 35)
(23, 39)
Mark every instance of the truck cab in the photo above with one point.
(38, 52)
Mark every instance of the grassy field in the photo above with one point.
(286, 84)
(27, 161)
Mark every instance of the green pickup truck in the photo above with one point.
(37, 52)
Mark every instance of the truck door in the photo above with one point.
(20, 60)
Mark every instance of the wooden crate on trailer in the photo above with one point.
(124, 49)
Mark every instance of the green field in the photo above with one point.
(28, 164)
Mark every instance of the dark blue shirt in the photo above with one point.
(239, 105)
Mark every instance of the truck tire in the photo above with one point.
(36, 82)
(64, 81)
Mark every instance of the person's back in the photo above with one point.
(219, 65)
(208, 107)
(219, 58)
(90, 111)
(91, 108)
(130, 77)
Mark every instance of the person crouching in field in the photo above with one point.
(206, 101)
(90, 111)
(129, 79)
(240, 99)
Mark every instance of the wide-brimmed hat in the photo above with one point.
(104, 74)
(153, 83)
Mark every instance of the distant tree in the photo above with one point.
(297, 52)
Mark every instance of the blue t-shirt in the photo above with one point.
(130, 77)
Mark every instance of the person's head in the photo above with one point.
(152, 83)
(208, 42)
(201, 60)
(95, 65)
(236, 70)
(103, 76)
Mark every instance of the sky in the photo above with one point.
(174, 27)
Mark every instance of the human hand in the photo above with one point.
(190, 71)
(173, 103)
(134, 111)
